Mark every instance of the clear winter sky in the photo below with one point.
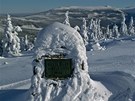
(25, 6)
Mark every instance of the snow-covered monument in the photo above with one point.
(62, 42)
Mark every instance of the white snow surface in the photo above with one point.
(97, 46)
(114, 68)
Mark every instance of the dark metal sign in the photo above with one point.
(58, 68)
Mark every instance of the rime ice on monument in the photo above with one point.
(57, 39)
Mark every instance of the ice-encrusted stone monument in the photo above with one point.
(61, 40)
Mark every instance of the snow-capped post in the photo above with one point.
(123, 28)
(84, 32)
(115, 31)
(60, 54)
(131, 28)
(66, 19)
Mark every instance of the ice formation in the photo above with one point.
(56, 39)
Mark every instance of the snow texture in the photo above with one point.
(114, 68)
(80, 87)
(97, 46)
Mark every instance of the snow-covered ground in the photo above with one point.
(118, 56)
(113, 67)
(15, 70)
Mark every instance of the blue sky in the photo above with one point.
(25, 6)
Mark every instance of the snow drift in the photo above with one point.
(59, 38)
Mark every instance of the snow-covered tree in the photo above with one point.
(84, 32)
(123, 28)
(99, 31)
(111, 33)
(94, 30)
(11, 42)
(90, 26)
(108, 33)
(22, 43)
(66, 19)
(26, 45)
(91, 30)
(7, 36)
(115, 31)
(15, 44)
(131, 29)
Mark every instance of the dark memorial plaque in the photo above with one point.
(58, 68)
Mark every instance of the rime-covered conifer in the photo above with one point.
(115, 31)
(11, 41)
(108, 33)
(131, 29)
(66, 19)
(26, 43)
(99, 31)
(7, 36)
(84, 32)
(123, 28)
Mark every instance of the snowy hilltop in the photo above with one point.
(36, 21)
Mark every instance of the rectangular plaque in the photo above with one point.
(58, 68)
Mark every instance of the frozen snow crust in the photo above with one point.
(59, 38)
